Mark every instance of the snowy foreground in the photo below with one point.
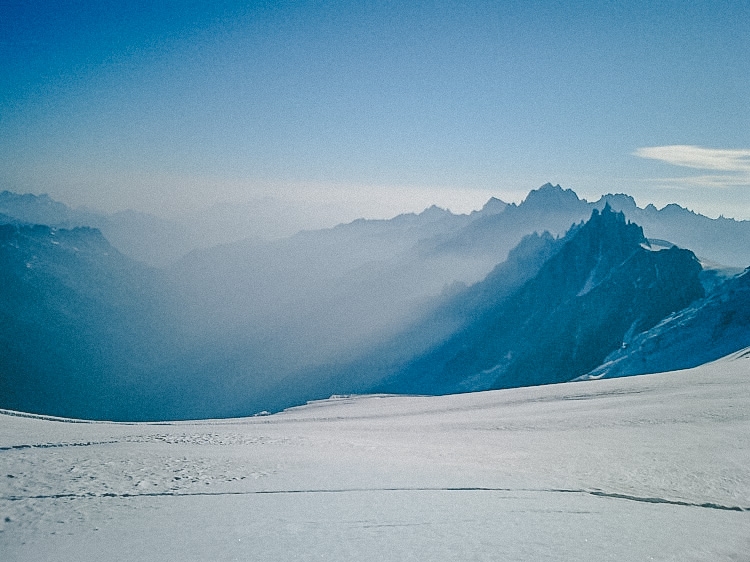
(645, 468)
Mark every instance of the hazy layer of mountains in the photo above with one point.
(603, 282)
(553, 289)
(158, 241)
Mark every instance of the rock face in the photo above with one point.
(603, 283)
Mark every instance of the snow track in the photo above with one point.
(597, 493)
(654, 467)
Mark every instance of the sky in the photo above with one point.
(375, 108)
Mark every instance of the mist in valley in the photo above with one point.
(254, 325)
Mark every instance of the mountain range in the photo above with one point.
(603, 281)
(552, 289)
(158, 241)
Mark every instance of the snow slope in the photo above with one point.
(654, 467)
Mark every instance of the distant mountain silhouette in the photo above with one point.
(140, 236)
(555, 209)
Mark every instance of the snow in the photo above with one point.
(653, 467)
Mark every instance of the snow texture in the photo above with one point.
(643, 468)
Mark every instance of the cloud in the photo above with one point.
(725, 160)
(733, 164)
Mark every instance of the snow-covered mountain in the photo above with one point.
(602, 283)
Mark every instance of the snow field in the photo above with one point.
(652, 467)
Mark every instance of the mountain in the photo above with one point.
(434, 323)
(549, 208)
(40, 209)
(140, 236)
(554, 209)
(512, 294)
(87, 332)
(603, 283)
(335, 292)
(707, 238)
(82, 327)
(328, 290)
(706, 330)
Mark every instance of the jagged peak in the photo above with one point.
(608, 210)
(607, 228)
(608, 216)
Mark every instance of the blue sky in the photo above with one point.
(375, 107)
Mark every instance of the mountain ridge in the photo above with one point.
(564, 309)
(261, 325)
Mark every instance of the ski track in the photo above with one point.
(596, 493)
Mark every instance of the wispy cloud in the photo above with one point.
(726, 160)
(733, 165)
